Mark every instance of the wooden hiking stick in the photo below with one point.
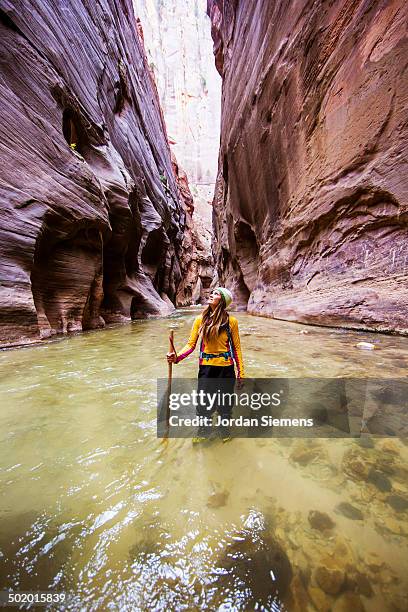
(169, 379)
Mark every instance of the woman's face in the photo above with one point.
(214, 299)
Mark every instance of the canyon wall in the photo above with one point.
(195, 256)
(311, 203)
(92, 222)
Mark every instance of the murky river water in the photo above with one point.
(92, 503)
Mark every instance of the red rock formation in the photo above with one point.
(196, 262)
(311, 206)
(91, 221)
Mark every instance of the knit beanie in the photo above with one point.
(226, 295)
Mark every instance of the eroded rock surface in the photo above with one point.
(311, 203)
(195, 256)
(92, 224)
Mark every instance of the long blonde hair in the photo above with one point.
(210, 325)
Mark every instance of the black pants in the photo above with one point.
(217, 380)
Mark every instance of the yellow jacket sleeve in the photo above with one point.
(192, 341)
(236, 347)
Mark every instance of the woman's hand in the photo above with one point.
(239, 384)
(171, 357)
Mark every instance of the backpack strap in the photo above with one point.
(231, 346)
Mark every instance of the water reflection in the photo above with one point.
(92, 502)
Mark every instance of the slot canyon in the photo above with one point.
(309, 202)
(203, 305)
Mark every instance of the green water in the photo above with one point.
(92, 503)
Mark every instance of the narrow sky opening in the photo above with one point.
(179, 48)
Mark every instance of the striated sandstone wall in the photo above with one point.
(311, 203)
(195, 255)
(90, 233)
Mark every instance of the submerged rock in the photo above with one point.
(349, 511)
(304, 453)
(259, 563)
(390, 525)
(398, 503)
(355, 465)
(379, 480)
(218, 499)
(320, 520)
(360, 582)
(329, 576)
(343, 554)
(374, 563)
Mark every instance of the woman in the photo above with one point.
(220, 347)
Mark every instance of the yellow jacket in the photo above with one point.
(217, 345)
